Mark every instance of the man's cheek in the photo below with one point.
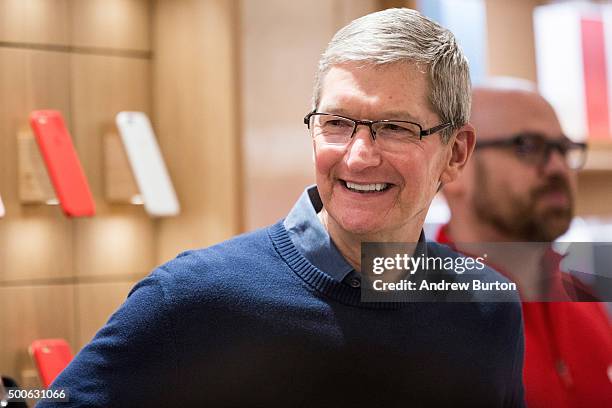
(326, 158)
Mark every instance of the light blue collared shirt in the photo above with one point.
(312, 240)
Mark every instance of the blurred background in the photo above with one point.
(226, 84)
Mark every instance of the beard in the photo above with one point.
(519, 217)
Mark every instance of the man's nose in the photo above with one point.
(555, 162)
(363, 151)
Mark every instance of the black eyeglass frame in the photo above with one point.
(561, 145)
(370, 123)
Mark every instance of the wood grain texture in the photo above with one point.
(510, 39)
(598, 157)
(35, 21)
(116, 24)
(594, 193)
(117, 243)
(36, 245)
(196, 119)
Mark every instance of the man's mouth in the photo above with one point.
(559, 197)
(365, 188)
(556, 191)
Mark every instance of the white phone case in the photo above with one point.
(147, 164)
(1, 208)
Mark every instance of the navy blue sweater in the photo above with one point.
(250, 322)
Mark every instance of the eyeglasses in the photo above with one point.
(390, 134)
(535, 149)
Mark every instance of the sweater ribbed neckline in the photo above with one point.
(315, 277)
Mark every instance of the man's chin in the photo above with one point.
(360, 228)
(554, 223)
(357, 220)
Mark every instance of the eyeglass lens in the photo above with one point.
(537, 150)
(333, 129)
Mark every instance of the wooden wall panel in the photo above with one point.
(116, 24)
(35, 21)
(115, 244)
(95, 303)
(594, 193)
(37, 245)
(35, 240)
(196, 117)
(29, 313)
(510, 44)
(120, 239)
(110, 24)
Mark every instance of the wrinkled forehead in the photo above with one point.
(376, 91)
(371, 77)
(498, 113)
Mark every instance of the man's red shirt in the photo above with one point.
(568, 350)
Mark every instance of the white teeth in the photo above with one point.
(366, 187)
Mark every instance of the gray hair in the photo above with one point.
(404, 35)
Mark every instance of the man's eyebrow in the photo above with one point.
(387, 115)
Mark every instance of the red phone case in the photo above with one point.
(51, 357)
(62, 163)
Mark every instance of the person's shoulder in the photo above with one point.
(228, 266)
(229, 252)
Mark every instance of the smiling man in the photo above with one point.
(376, 180)
(276, 317)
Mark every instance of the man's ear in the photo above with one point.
(461, 148)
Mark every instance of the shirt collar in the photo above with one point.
(312, 240)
